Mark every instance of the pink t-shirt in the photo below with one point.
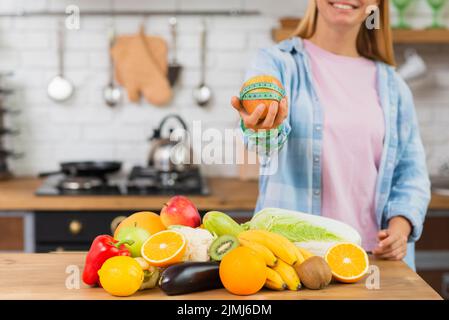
(353, 137)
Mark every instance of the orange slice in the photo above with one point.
(348, 262)
(164, 248)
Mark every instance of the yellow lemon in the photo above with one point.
(121, 276)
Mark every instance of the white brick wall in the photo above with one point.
(84, 128)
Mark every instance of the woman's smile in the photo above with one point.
(344, 5)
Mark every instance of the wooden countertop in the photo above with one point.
(43, 276)
(226, 194)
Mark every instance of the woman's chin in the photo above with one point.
(344, 22)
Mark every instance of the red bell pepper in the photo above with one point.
(103, 247)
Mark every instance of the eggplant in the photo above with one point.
(190, 277)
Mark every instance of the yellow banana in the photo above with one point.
(261, 250)
(274, 280)
(305, 253)
(279, 245)
(288, 274)
(299, 256)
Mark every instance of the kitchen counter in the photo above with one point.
(226, 194)
(44, 276)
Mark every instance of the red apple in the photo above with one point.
(180, 211)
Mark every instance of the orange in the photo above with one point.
(147, 220)
(251, 104)
(348, 262)
(164, 248)
(242, 271)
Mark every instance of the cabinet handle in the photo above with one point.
(75, 227)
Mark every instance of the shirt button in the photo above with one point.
(317, 192)
(316, 159)
(318, 128)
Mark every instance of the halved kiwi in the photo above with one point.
(221, 246)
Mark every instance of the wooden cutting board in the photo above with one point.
(141, 66)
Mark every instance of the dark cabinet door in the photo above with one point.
(432, 252)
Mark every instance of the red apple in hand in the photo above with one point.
(180, 211)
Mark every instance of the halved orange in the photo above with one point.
(348, 262)
(164, 248)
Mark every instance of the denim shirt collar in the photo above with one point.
(292, 44)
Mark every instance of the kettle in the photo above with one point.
(167, 155)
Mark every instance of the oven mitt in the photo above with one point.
(141, 67)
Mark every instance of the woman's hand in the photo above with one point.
(393, 241)
(277, 112)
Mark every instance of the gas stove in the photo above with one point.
(141, 181)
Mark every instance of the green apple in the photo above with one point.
(136, 234)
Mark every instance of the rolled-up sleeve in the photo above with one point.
(410, 191)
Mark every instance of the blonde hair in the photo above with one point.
(374, 44)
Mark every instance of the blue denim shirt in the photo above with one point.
(290, 173)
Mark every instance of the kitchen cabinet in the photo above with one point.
(75, 230)
(11, 234)
(435, 234)
(16, 232)
(432, 252)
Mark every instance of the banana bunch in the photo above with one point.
(280, 256)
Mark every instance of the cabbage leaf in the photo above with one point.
(290, 226)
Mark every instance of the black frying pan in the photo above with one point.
(86, 168)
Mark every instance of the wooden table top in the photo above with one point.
(44, 276)
(226, 194)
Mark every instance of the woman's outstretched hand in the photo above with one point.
(277, 113)
(393, 241)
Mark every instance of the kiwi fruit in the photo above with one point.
(221, 246)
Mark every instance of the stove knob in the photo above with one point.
(75, 227)
(115, 222)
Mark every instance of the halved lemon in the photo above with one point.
(164, 248)
(348, 262)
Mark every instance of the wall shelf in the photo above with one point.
(89, 13)
(425, 36)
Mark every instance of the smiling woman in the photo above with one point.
(374, 43)
(348, 145)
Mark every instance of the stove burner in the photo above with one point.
(80, 183)
(141, 181)
(150, 181)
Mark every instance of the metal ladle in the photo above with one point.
(60, 88)
(203, 94)
(112, 94)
